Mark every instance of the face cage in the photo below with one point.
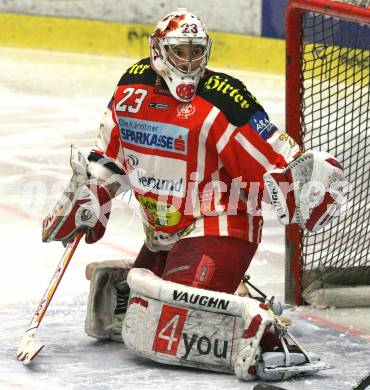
(163, 44)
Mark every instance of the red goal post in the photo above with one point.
(327, 108)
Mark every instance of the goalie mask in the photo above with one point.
(179, 52)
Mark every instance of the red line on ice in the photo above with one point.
(22, 214)
(12, 385)
(334, 325)
(119, 248)
(18, 212)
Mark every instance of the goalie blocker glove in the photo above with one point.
(309, 191)
(87, 208)
(84, 205)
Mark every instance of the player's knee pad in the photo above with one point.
(108, 298)
(181, 325)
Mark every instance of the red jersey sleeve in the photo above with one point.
(254, 148)
(107, 148)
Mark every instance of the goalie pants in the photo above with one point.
(212, 263)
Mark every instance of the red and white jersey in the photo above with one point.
(196, 168)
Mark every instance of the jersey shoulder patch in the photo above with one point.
(230, 96)
(139, 73)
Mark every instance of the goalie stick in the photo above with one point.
(29, 347)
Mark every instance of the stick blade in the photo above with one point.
(28, 348)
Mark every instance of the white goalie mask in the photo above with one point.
(179, 52)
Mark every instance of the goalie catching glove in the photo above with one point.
(309, 191)
(84, 205)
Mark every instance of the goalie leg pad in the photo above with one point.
(181, 325)
(108, 298)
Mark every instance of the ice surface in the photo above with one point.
(72, 360)
(48, 101)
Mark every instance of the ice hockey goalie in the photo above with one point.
(198, 150)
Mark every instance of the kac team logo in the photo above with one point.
(185, 110)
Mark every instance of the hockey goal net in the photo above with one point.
(328, 108)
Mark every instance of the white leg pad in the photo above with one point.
(181, 325)
(108, 283)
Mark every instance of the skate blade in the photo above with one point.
(302, 368)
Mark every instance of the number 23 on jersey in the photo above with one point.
(138, 96)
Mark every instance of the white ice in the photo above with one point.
(49, 100)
